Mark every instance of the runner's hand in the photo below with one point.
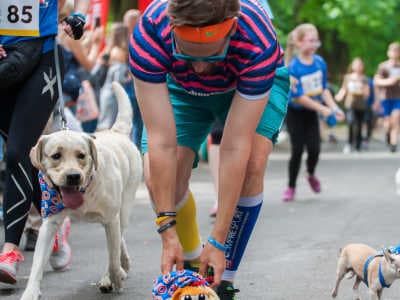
(214, 258)
(172, 251)
(325, 111)
(340, 116)
(73, 25)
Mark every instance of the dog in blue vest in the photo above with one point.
(376, 269)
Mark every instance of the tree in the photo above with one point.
(348, 28)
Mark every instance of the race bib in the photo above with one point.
(312, 84)
(19, 17)
(395, 72)
(355, 87)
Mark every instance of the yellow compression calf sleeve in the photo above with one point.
(187, 229)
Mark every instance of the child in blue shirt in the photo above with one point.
(309, 97)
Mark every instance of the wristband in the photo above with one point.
(217, 245)
(76, 14)
(166, 214)
(159, 220)
(166, 226)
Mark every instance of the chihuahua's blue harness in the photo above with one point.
(381, 278)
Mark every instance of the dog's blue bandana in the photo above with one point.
(165, 286)
(52, 203)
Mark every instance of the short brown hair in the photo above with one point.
(202, 12)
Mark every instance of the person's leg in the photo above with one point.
(359, 119)
(394, 128)
(252, 193)
(213, 159)
(350, 122)
(313, 144)
(295, 124)
(26, 125)
(24, 128)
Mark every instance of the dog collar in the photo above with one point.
(52, 203)
(165, 286)
(381, 277)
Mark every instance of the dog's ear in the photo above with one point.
(36, 153)
(388, 256)
(93, 152)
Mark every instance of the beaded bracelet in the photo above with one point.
(166, 226)
(216, 244)
(166, 214)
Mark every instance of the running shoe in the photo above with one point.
(192, 266)
(226, 291)
(61, 256)
(9, 263)
(288, 194)
(314, 183)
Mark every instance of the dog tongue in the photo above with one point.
(71, 197)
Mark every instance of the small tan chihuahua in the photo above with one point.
(376, 270)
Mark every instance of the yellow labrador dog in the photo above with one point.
(96, 179)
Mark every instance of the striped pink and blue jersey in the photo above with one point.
(253, 54)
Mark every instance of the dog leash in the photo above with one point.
(60, 101)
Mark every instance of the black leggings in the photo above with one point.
(23, 115)
(355, 119)
(303, 128)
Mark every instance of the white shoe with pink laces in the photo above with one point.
(61, 256)
(9, 263)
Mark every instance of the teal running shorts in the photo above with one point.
(194, 115)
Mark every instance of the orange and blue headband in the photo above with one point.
(206, 34)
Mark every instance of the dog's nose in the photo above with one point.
(73, 179)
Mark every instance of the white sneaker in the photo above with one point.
(61, 256)
(346, 149)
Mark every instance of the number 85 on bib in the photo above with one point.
(19, 17)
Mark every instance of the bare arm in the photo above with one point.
(342, 93)
(156, 109)
(385, 82)
(82, 6)
(309, 103)
(153, 100)
(330, 102)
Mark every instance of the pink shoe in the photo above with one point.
(314, 183)
(288, 194)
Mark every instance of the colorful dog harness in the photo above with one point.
(52, 203)
(381, 278)
(165, 286)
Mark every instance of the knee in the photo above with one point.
(255, 175)
(297, 150)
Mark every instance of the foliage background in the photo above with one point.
(347, 28)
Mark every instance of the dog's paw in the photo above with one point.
(31, 294)
(105, 285)
(117, 277)
(334, 293)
